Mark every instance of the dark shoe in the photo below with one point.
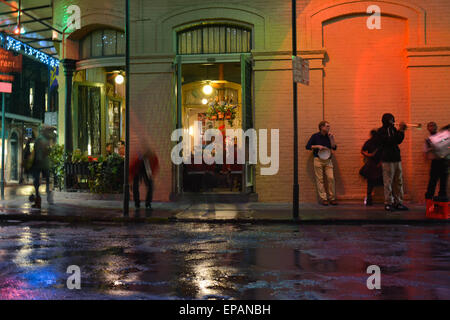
(389, 207)
(401, 207)
(37, 203)
(148, 206)
(333, 202)
(137, 205)
(324, 202)
(368, 202)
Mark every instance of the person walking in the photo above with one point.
(321, 143)
(372, 170)
(41, 165)
(389, 139)
(438, 168)
(144, 168)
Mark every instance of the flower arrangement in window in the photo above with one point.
(222, 111)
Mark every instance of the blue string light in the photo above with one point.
(19, 46)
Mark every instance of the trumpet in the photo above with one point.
(411, 125)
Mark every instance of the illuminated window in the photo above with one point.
(102, 43)
(214, 38)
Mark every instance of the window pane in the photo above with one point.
(214, 39)
(86, 47)
(120, 43)
(97, 43)
(109, 43)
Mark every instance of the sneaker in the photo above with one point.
(401, 207)
(333, 202)
(324, 202)
(389, 207)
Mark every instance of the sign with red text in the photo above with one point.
(10, 62)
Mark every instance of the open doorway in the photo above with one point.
(212, 95)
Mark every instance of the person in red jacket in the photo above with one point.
(143, 168)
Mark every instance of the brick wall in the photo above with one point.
(356, 75)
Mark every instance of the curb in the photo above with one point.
(160, 220)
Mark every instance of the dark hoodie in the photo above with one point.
(388, 139)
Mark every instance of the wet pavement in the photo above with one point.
(222, 261)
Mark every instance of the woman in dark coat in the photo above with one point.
(372, 170)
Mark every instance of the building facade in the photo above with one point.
(242, 50)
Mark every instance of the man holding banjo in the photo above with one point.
(321, 143)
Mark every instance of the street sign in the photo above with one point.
(300, 69)
(6, 87)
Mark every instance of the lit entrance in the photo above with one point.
(217, 96)
(212, 95)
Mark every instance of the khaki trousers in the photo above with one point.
(393, 182)
(321, 167)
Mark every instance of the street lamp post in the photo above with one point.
(295, 198)
(126, 187)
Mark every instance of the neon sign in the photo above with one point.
(9, 43)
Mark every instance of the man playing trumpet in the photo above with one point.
(389, 138)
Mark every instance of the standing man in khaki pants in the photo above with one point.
(321, 143)
(389, 140)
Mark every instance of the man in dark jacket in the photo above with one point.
(388, 140)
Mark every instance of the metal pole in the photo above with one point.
(126, 187)
(2, 181)
(295, 204)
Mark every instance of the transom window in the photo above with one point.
(214, 38)
(102, 43)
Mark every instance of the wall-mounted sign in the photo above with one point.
(51, 118)
(10, 62)
(300, 69)
(11, 44)
(29, 132)
(6, 77)
(6, 87)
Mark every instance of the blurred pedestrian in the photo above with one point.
(388, 140)
(372, 170)
(438, 167)
(143, 168)
(41, 164)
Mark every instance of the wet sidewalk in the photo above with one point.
(17, 207)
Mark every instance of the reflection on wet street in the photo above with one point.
(226, 261)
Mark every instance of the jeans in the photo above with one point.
(142, 174)
(438, 172)
(393, 183)
(36, 180)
